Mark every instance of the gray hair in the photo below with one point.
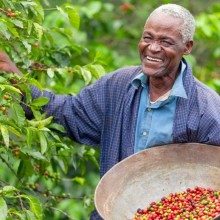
(188, 26)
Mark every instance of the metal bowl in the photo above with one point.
(153, 173)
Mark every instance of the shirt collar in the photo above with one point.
(140, 79)
(177, 89)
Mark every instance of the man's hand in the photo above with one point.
(7, 65)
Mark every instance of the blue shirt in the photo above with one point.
(155, 121)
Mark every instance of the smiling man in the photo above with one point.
(134, 108)
(167, 36)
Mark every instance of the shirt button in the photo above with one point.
(148, 109)
(144, 133)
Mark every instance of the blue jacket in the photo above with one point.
(105, 114)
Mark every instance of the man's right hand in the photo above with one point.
(7, 65)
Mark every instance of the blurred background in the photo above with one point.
(67, 45)
(115, 27)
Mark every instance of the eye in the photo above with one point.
(166, 43)
(147, 39)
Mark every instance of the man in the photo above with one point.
(137, 107)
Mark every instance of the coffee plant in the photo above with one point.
(42, 170)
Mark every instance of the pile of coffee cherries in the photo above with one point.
(192, 204)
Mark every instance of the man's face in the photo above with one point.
(161, 46)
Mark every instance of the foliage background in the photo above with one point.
(63, 46)
(115, 30)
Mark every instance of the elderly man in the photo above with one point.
(133, 108)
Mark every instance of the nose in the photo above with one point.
(154, 46)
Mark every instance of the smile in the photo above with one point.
(152, 59)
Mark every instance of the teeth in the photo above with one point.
(153, 59)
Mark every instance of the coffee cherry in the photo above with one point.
(36, 44)
(37, 167)
(16, 151)
(12, 14)
(46, 173)
(37, 185)
(2, 108)
(197, 203)
(9, 13)
(6, 97)
(126, 7)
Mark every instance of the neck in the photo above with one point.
(159, 86)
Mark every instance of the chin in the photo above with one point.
(151, 72)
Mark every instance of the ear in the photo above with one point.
(188, 47)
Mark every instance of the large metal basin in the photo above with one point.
(153, 173)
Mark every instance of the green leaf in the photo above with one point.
(28, 4)
(17, 113)
(13, 31)
(40, 123)
(35, 206)
(79, 180)
(62, 12)
(39, 30)
(30, 215)
(27, 46)
(15, 213)
(57, 127)
(3, 80)
(43, 142)
(96, 69)
(87, 201)
(92, 8)
(37, 114)
(4, 30)
(3, 209)
(10, 88)
(29, 136)
(37, 9)
(8, 191)
(56, 139)
(5, 134)
(63, 163)
(50, 72)
(29, 27)
(39, 102)
(17, 23)
(14, 131)
(35, 83)
(87, 76)
(73, 16)
(25, 168)
(44, 129)
(34, 154)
